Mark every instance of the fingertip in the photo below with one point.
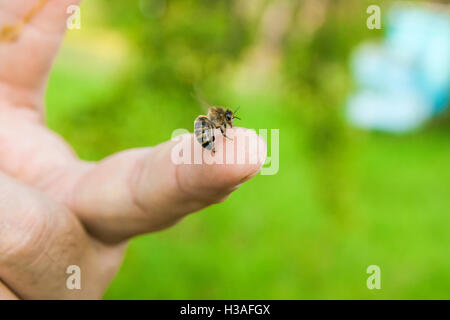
(249, 155)
(235, 161)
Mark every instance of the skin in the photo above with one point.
(57, 210)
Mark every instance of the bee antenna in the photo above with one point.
(237, 118)
(237, 109)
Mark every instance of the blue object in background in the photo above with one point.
(405, 80)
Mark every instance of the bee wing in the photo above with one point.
(198, 95)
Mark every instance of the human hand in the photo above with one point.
(57, 210)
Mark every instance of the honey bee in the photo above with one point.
(217, 118)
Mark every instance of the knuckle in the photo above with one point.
(24, 239)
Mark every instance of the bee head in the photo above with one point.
(229, 116)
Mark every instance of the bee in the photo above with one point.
(217, 118)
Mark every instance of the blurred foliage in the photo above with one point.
(342, 200)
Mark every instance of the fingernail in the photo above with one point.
(246, 178)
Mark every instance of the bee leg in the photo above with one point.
(224, 134)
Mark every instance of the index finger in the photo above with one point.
(30, 35)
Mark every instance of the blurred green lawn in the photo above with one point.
(274, 238)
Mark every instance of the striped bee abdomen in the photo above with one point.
(204, 132)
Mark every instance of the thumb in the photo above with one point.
(144, 190)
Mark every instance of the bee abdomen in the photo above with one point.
(204, 133)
